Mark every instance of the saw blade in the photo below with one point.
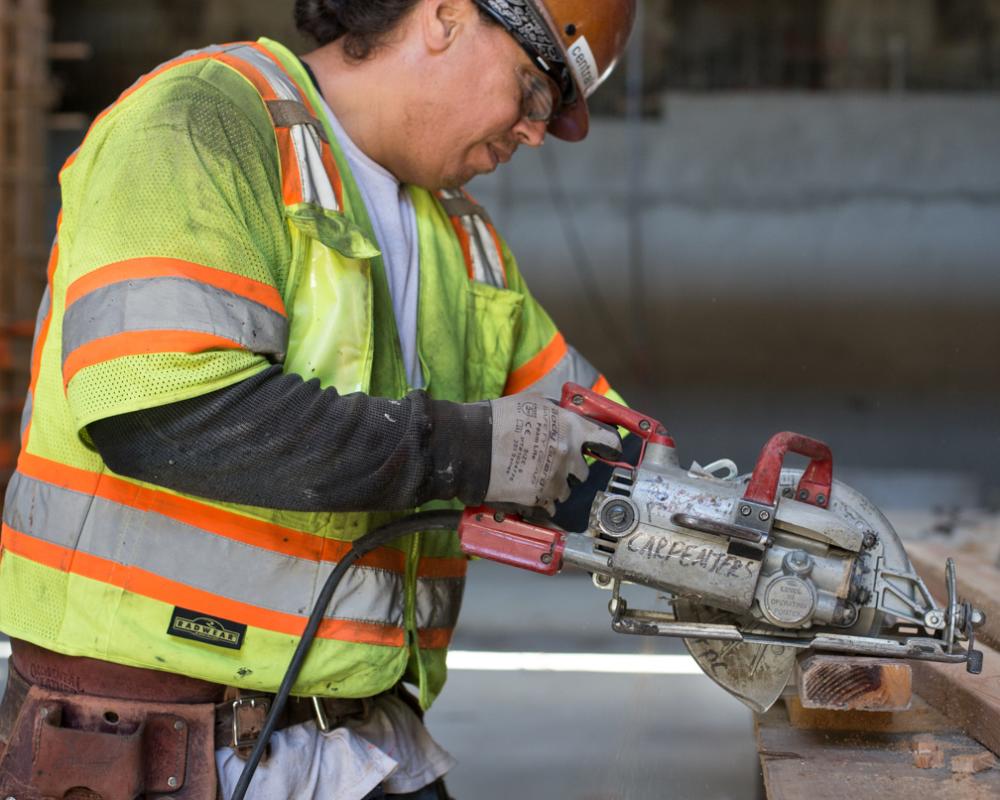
(756, 674)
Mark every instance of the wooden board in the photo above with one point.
(824, 765)
(972, 701)
(978, 581)
(920, 718)
(847, 683)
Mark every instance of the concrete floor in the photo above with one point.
(594, 737)
(582, 736)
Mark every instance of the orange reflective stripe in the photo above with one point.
(164, 590)
(213, 520)
(140, 343)
(140, 268)
(602, 386)
(538, 367)
(431, 567)
(466, 244)
(434, 638)
(251, 73)
(291, 178)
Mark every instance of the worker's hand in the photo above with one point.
(537, 446)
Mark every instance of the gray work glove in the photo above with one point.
(536, 447)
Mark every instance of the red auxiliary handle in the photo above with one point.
(599, 408)
(507, 539)
(814, 486)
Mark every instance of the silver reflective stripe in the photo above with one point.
(43, 311)
(439, 601)
(572, 367)
(487, 266)
(210, 50)
(486, 250)
(44, 307)
(195, 557)
(316, 186)
(156, 304)
(29, 403)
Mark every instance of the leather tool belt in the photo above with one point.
(91, 730)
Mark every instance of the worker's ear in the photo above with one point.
(443, 21)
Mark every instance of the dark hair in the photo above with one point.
(362, 24)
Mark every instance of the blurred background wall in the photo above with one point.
(787, 216)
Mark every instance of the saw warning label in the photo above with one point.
(691, 555)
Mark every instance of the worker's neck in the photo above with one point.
(365, 96)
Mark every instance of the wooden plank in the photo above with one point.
(845, 683)
(824, 765)
(980, 762)
(972, 701)
(920, 718)
(978, 582)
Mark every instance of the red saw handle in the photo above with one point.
(507, 539)
(599, 408)
(814, 486)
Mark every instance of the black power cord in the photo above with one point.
(425, 521)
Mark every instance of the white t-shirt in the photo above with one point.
(394, 220)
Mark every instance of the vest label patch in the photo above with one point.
(199, 627)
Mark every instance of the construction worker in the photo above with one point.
(273, 322)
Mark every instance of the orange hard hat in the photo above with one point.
(575, 42)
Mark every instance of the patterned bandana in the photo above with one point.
(527, 25)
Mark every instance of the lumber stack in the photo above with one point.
(25, 99)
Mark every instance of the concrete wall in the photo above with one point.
(824, 263)
(789, 193)
(865, 218)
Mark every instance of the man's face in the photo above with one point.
(475, 115)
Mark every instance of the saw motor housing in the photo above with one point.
(671, 529)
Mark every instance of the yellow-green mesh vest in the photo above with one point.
(95, 564)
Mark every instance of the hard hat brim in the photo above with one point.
(572, 124)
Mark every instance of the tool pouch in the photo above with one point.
(62, 745)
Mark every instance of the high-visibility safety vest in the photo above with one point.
(157, 293)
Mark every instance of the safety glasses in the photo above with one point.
(538, 96)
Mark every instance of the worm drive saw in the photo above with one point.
(757, 568)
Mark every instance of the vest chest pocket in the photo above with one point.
(491, 330)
